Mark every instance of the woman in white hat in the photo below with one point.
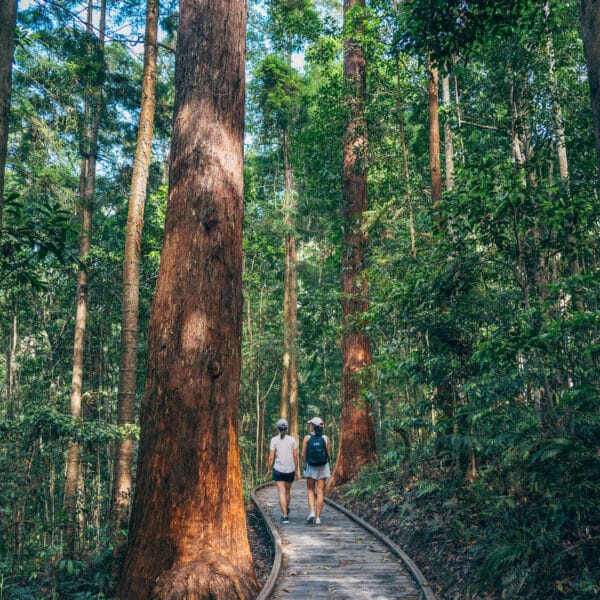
(284, 452)
(315, 456)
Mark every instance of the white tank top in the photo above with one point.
(284, 453)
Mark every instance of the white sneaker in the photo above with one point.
(311, 517)
(317, 521)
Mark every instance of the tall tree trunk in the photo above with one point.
(400, 109)
(589, 14)
(448, 142)
(445, 393)
(434, 136)
(289, 380)
(12, 396)
(123, 458)
(357, 434)
(531, 265)
(459, 116)
(257, 462)
(188, 525)
(561, 150)
(8, 23)
(87, 184)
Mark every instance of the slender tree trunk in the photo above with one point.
(188, 525)
(263, 450)
(434, 136)
(445, 393)
(357, 434)
(589, 14)
(8, 23)
(459, 115)
(561, 150)
(123, 459)
(51, 497)
(12, 396)
(257, 461)
(87, 183)
(289, 384)
(530, 262)
(448, 142)
(411, 220)
(261, 403)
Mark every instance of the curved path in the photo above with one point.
(341, 559)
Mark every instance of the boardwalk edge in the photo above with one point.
(267, 588)
(410, 565)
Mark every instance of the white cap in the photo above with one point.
(316, 421)
(282, 423)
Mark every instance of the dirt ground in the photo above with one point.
(260, 544)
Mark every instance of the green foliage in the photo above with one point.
(292, 23)
(277, 90)
(369, 483)
(32, 235)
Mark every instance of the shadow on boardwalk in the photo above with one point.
(337, 560)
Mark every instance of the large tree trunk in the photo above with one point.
(357, 434)
(589, 14)
(123, 459)
(188, 526)
(8, 23)
(289, 380)
(87, 184)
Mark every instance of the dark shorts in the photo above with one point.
(287, 477)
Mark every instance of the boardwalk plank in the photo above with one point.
(337, 560)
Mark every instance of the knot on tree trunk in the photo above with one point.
(211, 220)
(210, 577)
(214, 368)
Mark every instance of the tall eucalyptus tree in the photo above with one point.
(123, 459)
(357, 433)
(188, 527)
(87, 186)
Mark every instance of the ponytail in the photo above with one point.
(318, 429)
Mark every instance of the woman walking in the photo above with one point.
(315, 456)
(283, 450)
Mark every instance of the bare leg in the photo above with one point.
(310, 487)
(288, 496)
(283, 501)
(320, 496)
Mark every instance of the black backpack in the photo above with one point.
(316, 451)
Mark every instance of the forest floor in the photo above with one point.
(261, 545)
(444, 562)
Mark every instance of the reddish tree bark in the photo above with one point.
(188, 527)
(289, 378)
(357, 432)
(589, 14)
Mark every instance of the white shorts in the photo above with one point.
(322, 472)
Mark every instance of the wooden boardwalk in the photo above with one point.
(337, 560)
